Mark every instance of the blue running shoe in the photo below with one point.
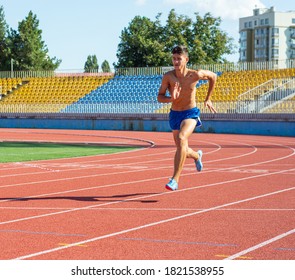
(198, 162)
(172, 185)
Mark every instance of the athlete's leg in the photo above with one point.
(192, 154)
(182, 150)
(197, 156)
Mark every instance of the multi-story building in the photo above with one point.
(267, 35)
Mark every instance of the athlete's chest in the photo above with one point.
(187, 83)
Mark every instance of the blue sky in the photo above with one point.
(73, 29)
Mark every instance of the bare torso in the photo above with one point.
(187, 96)
(181, 83)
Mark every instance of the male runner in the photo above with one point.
(184, 115)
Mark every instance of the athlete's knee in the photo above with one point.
(182, 141)
(182, 137)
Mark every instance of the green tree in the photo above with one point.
(148, 43)
(177, 30)
(210, 43)
(91, 64)
(28, 49)
(105, 67)
(4, 49)
(141, 44)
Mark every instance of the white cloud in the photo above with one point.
(140, 2)
(226, 9)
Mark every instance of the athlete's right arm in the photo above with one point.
(162, 97)
(174, 92)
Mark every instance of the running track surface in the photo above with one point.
(241, 206)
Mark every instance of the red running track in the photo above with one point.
(241, 206)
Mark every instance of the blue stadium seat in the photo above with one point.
(123, 94)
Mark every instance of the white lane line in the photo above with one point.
(146, 225)
(131, 182)
(144, 170)
(140, 156)
(137, 198)
(156, 168)
(260, 245)
(150, 209)
(87, 164)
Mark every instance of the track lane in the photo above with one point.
(230, 165)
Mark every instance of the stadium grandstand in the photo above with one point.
(135, 91)
(243, 90)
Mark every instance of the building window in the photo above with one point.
(275, 42)
(243, 55)
(255, 22)
(266, 21)
(275, 31)
(243, 35)
(263, 53)
(293, 20)
(260, 53)
(275, 52)
(257, 42)
(262, 22)
(256, 53)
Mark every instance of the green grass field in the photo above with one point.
(23, 151)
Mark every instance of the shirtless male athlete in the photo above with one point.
(184, 115)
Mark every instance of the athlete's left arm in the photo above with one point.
(212, 78)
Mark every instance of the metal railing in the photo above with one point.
(268, 95)
(220, 67)
(286, 105)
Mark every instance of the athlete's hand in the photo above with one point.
(209, 105)
(176, 91)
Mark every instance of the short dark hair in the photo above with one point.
(180, 50)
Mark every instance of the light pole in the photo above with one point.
(11, 67)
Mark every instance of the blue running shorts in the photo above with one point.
(176, 117)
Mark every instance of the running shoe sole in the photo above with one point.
(172, 185)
